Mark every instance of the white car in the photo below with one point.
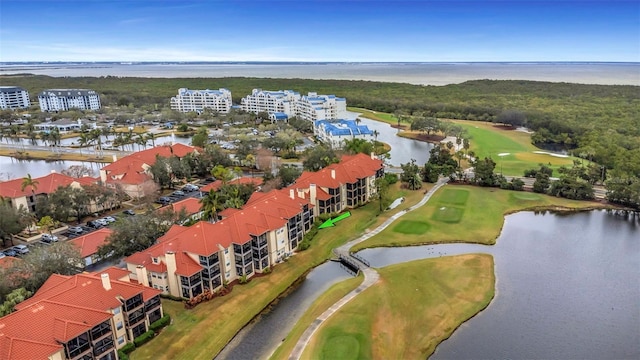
(49, 238)
(21, 249)
(2, 255)
(102, 222)
(109, 219)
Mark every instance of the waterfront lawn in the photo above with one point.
(375, 115)
(320, 305)
(203, 331)
(51, 156)
(481, 218)
(413, 307)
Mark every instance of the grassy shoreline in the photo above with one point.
(49, 156)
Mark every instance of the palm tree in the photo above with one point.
(95, 135)
(211, 205)
(29, 181)
(141, 140)
(83, 140)
(151, 136)
(55, 137)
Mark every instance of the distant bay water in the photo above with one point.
(412, 73)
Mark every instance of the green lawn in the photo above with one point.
(480, 220)
(328, 298)
(454, 196)
(375, 115)
(411, 227)
(409, 311)
(511, 150)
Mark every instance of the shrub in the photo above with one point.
(122, 355)
(144, 338)
(391, 178)
(171, 297)
(128, 348)
(160, 323)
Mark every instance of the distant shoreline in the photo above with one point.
(416, 73)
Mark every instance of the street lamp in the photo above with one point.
(500, 156)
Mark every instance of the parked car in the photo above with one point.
(190, 187)
(76, 229)
(48, 238)
(21, 249)
(10, 252)
(109, 219)
(102, 222)
(178, 193)
(2, 255)
(164, 200)
(94, 224)
(129, 212)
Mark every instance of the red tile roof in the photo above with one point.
(190, 205)
(86, 290)
(115, 273)
(185, 265)
(35, 331)
(257, 181)
(46, 185)
(88, 244)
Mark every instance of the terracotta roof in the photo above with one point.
(185, 265)
(46, 185)
(349, 170)
(88, 244)
(173, 231)
(15, 348)
(43, 325)
(115, 273)
(257, 181)
(190, 205)
(86, 290)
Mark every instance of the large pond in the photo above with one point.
(567, 287)
(402, 149)
(11, 168)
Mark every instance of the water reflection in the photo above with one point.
(11, 168)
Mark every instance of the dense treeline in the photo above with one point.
(597, 122)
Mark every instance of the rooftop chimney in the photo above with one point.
(141, 274)
(373, 156)
(333, 173)
(106, 283)
(313, 193)
(115, 158)
(292, 194)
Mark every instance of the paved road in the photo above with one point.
(371, 276)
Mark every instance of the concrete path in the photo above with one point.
(371, 276)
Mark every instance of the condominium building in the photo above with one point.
(84, 316)
(188, 260)
(282, 101)
(66, 99)
(198, 100)
(335, 133)
(14, 97)
(314, 107)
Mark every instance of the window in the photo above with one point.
(119, 325)
(120, 340)
(116, 311)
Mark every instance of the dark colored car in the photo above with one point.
(10, 252)
(94, 224)
(164, 200)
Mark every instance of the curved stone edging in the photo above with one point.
(371, 276)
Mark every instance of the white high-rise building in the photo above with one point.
(282, 101)
(314, 107)
(198, 100)
(13, 97)
(66, 99)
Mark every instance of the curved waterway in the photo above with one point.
(567, 287)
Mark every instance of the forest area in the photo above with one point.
(600, 123)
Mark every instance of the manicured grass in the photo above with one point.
(454, 196)
(488, 140)
(203, 331)
(411, 227)
(375, 115)
(412, 308)
(481, 221)
(331, 296)
(448, 214)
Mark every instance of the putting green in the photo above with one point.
(448, 214)
(525, 196)
(411, 227)
(456, 197)
(341, 347)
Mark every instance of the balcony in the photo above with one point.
(152, 303)
(78, 351)
(103, 346)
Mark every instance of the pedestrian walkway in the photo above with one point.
(371, 276)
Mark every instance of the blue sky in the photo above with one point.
(438, 31)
